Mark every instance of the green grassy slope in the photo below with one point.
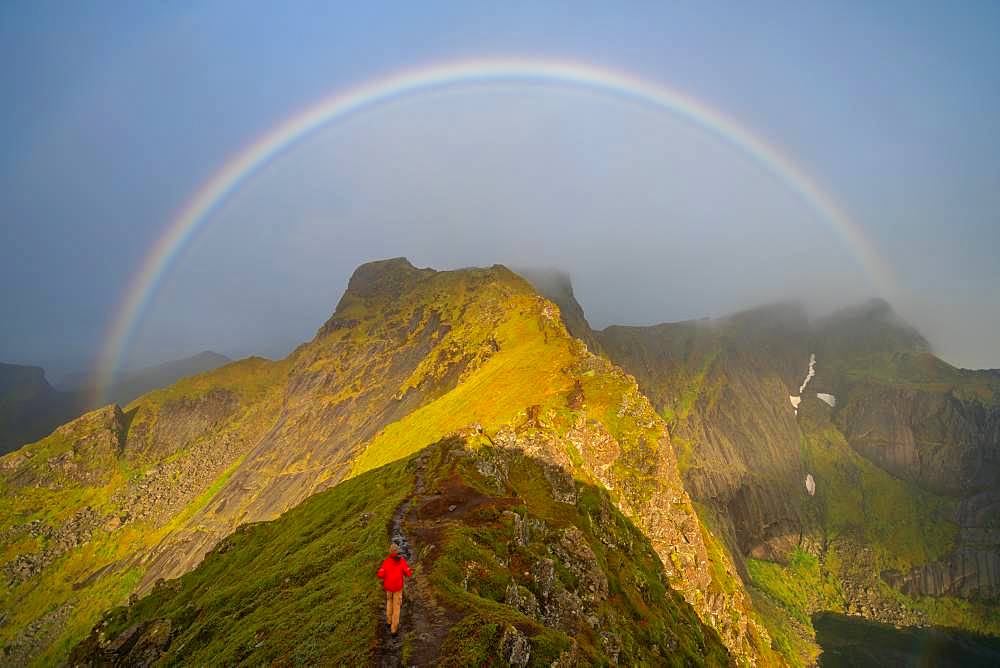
(301, 590)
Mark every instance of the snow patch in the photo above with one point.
(810, 484)
(810, 373)
(830, 400)
(796, 400)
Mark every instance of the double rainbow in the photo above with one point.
(247, 162)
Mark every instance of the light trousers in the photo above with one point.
(393, 603)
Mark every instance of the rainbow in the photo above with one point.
(247, 162)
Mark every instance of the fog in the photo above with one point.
(115, 117)
(654, 219)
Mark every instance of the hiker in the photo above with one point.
(392, 572)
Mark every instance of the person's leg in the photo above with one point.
(388, 607)
(397, 603)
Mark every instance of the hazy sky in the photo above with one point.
(115, 113)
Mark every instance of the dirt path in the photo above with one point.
(423, 624)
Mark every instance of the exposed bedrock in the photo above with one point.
(945, 444)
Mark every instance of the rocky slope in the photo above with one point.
(409, 357)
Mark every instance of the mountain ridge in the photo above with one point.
(704, 435)
(470, 349)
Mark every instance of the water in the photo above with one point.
(853, 641)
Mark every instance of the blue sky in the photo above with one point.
(114, 114)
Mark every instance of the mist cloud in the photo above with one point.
(654, 219)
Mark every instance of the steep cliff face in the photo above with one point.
(409, 356)
(940, 435)
(723, 387)
(938, 428)
(839, 453)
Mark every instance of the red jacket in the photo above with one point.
(392, 572)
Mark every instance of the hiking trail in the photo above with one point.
(423, 623)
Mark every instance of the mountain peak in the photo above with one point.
(557, 286)
(875, 308)
(782, 319)
(384, 277)
(873, 326)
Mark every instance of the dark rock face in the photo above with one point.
(934, 439)
(723, 386)
(180, 423)
(972, 571)
(30, 408)
(946, 443)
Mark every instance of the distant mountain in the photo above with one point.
(840, 454)
(30, 408)
(136, 383)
